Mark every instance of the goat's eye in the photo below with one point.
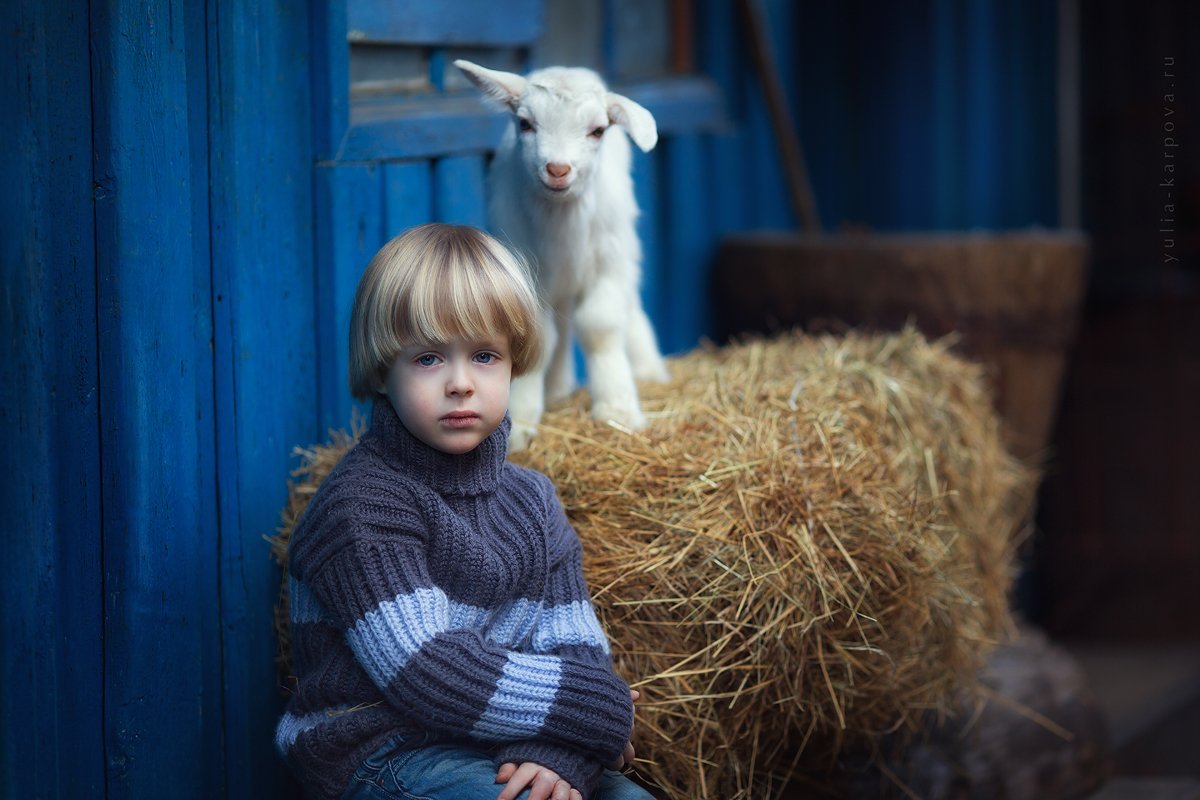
(525, 125)
(597, 132)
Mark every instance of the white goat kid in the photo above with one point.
(561, 192)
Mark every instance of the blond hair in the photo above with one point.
(439, 283)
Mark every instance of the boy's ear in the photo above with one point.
(635, 119)
(502, 89)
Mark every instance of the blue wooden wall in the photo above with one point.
(190, 196)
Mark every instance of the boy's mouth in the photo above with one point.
(460, 419)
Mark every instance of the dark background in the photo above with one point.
(1118, 551)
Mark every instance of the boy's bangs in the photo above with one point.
(463, 307)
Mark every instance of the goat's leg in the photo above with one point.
(560, 380)
(526, 404)
(527, 398)
(644, 355)
(601, 320)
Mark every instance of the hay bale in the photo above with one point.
(811, 545)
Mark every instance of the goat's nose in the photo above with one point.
(558, 170)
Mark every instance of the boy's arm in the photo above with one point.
(566, 627)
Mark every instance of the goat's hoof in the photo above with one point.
(654, 374)
(621, 416)
(520, 436)
(555, 393)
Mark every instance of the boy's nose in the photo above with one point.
(458, 382)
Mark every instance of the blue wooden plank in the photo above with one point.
(828, 113)
(51, 664)
(350, 228)
(721, 58)
(408, 196)
(769, 205)
(474, 22)
(767, 191)
(330, 72)
(187, 23)
(982, 116)
(681, 105)
(162, 694)
(437, 68)
(646, 191)
(900, 161)
(458, 190)
(608, 37)
(1029, 163)
(949, 209)
(1015, 98)
(382, 129)
(1042, 50)
(264, 350)
(690, 242)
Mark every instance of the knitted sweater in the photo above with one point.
(441, 597)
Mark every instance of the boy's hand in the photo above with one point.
(543, 784)
(624, 760)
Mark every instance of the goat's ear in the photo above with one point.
(501, 88)
(636, 120)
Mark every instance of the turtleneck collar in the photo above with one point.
(473, 473)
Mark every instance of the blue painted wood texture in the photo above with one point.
(647, 193)
(471, 22)
(458, 196)
(330, 76)
(382, 129)
(408, 196)
(350, 219)
(264, 352)
(161, 653)
(689, 244)
(51, 590)
(192, 199)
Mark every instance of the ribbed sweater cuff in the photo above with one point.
(591, 706)
(581, 772)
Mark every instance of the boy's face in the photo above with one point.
(451, 396)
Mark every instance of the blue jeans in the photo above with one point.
(451, 772)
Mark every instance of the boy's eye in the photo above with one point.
(426, 359)
(485, 358)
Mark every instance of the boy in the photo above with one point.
(443, 636)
